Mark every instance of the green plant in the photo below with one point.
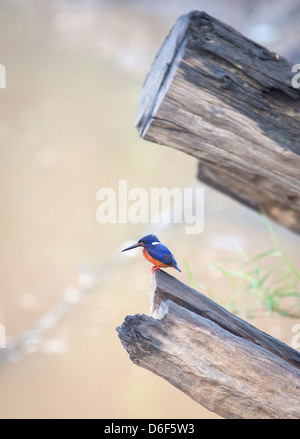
(267, 282)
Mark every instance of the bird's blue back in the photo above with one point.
(162, 253)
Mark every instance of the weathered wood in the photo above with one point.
(249, 194)
(229, 102)
(220, 361)
(166, 287)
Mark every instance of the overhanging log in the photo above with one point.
(229, 102)
(219, 360)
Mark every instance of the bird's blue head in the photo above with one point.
(143, 242)
(148, 240)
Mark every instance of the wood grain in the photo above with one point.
(166, 287)
(219, 360)
(224, 99)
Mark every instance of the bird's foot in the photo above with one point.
(154, 268)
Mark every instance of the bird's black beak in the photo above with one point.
(138, 244)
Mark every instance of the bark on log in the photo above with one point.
(229, 102)
(219, 360)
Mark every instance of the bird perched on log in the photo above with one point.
(155, 252)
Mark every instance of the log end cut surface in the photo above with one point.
(195, 351)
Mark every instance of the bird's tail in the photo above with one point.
(177, 268)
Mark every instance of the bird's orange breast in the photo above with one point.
(153, 261)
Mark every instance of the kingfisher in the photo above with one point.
(155, 252)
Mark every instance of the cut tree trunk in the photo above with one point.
(224, 99)
(219, 360)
